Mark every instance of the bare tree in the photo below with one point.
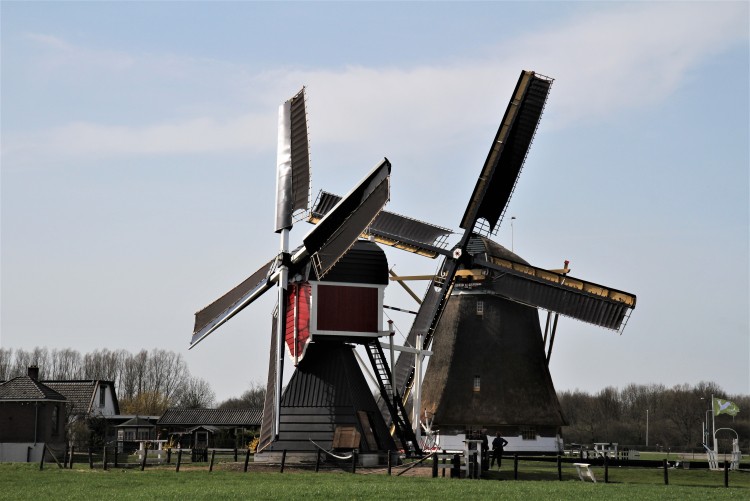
(253, 398)
(65, 364)
(195, 393)
(6, 361)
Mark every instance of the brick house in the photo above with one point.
(32, 419)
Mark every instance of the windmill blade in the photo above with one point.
(403, 372)
(292, 161)
(393, 229)
(563, 294)
(215, 314)
(508, 152)
(347, 220)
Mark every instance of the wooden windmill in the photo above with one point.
(330, 298)
(490, 362)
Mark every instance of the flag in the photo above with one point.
(725, 407)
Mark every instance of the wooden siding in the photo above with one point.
(344, 308)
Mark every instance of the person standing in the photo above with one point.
(498, 445)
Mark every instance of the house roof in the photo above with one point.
(137, 422)
(215, 417)
(81, 393)
(25, 388)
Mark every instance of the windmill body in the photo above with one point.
(330, 295)
(489, 368)
(325, 319)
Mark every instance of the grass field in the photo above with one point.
(25, 481)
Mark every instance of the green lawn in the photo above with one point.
(25, 481)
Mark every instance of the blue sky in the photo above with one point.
(138, 164)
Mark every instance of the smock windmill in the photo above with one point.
(330, 298)
(490, 362)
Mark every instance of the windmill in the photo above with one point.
(489, 367)
(330, 294)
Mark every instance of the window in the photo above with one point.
(130, 435)
(143, 435)
(477, 384)
(102, 395)
(480, 307)
(528, 433)
(55, 420)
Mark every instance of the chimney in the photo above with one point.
(34, 372)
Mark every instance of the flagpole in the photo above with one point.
(713, 424)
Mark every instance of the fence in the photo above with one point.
(437, 464)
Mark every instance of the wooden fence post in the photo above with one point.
(145, 454)
(317, 460)
(666, 472)
(91, 459)
(41, 463)
(434, 466)
(443, 463)
(606, 468)
(247, 459)
(456, 470)
(559, 467)
(116, 454)
(104, 458)
(211, 464)
(169, 455)
(72, 454)
(354, 461)
(179, 459)
(515, 466)
(390, 458)
(726, 473)
(283, 460)
(235, 454)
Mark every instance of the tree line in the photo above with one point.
(664, 418)
(638, 415)
(146, 382)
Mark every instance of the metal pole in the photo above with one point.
(713, 421)
(646, 428)
(418, 389)
(392, 330)
(281, 328)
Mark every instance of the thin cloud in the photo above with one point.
(198, 135)
(605, 62)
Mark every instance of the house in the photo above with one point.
(137, 428)
(87, 400)
(88, 397)
(32, 419)
(204, 428)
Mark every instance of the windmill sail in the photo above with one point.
(341, 227)
(392, 229)
(508, 152)
(293, 162)
(215, 314)
(563, 294)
